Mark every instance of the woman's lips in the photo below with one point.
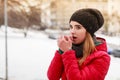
(74, 37)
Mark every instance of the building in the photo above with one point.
(58, 12)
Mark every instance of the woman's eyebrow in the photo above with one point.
(78, 25)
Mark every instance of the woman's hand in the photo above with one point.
(64, 43)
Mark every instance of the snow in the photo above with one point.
(29, 58)
(114, 70)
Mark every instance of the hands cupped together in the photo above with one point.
(64, 43)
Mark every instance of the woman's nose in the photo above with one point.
(72, 31)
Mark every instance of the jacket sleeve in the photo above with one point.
(56, 67)
(95, 70)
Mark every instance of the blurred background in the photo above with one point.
(32, 27)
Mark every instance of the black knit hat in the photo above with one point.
(90, 19)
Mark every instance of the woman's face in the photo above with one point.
(78, 32)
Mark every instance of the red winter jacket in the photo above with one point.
(66, 67)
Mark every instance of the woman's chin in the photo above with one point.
(74, 42)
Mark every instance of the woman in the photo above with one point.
(82, 55)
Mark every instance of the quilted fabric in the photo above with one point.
(66, 67)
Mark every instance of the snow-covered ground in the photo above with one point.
(29, 58)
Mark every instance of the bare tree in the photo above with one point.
(34, 16)
(15, 16)
(18, 17)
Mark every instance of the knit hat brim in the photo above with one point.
(90, 19)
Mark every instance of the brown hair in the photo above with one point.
(88, 47)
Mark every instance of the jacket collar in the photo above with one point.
(102, 46)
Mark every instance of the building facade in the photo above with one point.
(57, 12)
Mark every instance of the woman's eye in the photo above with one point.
(78, 27)
(75, 27)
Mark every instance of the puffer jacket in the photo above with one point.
(66, 66)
